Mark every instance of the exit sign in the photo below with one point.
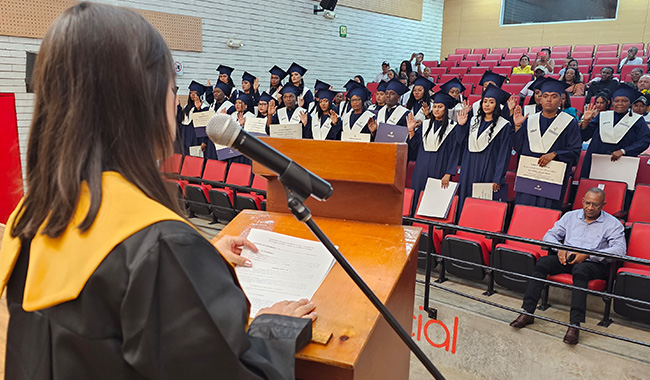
(343, 31)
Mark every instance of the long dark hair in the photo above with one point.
(408, 68)
(443, 126)
(84, 123)
(425, 98)
(190, 105)
(567, 102)
(481, 116)
(361, 80)
(319, 110)
(577, 77)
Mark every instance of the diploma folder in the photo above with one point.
(391, 133)
(484, 191)
(436, 200)
(540, 181)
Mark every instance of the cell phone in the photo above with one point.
(570, 258)
(542, 54)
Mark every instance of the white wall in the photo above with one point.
(273, 32)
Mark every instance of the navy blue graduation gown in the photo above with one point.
(306, 130)
(308, 99)
(635, 141)
(412, 152)
(353, 119)
(334, 132)
(567, 146)
(488, 166)
(433, 164)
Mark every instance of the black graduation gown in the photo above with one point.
(567, 146)
(162, 305)
(635, 141)
(306, 129)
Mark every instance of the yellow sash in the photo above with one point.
(59, 268)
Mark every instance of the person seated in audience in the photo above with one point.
(419, 98)
(359, 79)
(635, 75)
(405, 69)
(605, 82)
(548, 135)
(539, 72)
(325, 122)
(383, 75)
(304, 98)
(543, 58)
(631, 58)
(640, 106)
(567, 60)
(589, 228)
(435, 143)
(218, 98)
(359, 119)
(485, 143)
(417, 66)
(572, 77)
(412, 77)
(250, 86)
(619, 132)
(380, 98)
(391, 74)
(225, 73)
(427, 74)
(573, 64)
(263, 105)
(644, 84)
(275, 85)
(524, 66)
(291, 113)
(566, 105)
(405, 97)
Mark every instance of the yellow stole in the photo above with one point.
(59, 268)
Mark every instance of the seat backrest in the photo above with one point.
(537, 49)
(489, 63)
(520, 78)
(519, 50)
(643, 175)
(259, 182)
(607, 61)
(463, 51)
(474, 57)
(472, 78)
(531, 222)
(478, 69)
(578, 102)
(484, 215)
(410, 167)
(239, 174)
(614, 193)
(640, 206)
(626, 47)
(172, 164)
(513, 88)
(607, 47)
(451, 63)
(493, 57)
(510, 63)
(502, 70)
(192, 166)
(583, 48)
(455, 57)
(561, 48)
(408, 202)
(625, 70)
(451, 215)
(638, 245)
(215, 170)
(606, 54)
(510, 181)
(372, 87)
(499, 51)
(430, 63)
(483, 51)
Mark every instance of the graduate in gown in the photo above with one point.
(225, 76)
(325, 122)
(304, 97)
(380, 98)
(419, 96)
(489, 77)
(359, 119)
(486, 144)
(318, 85)
(105, 277)
(535, 103)
(277, 75)
(393, 112)
(250, 86)
(455, 89)
(263, 105)
(436, 143)
(218, 99)
(619, 132)
(291, 113)
(195, 103)
(548, 135)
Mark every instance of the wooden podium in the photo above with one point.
(363, 218)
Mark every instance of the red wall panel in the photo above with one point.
(11, 181)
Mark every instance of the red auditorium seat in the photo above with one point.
(513, 161)
(640, 206)
(502, 70)
(448, 64)
(579, 55)
(469, 87)
(528, 222)
(448, 77)
(614, 193)
(473, 97)
(559, 55)
(252, 200)
(493, 57)
(474, 57)
(459, 71)
(172, 165)
(501, 51)
(439, 70)
(519, 50)
(510, 62)
(466, 64)
(513, 88)
(610, 61)
(554, 76)
(478, 90)
(510, 180)
(584, 48)
(520, 78)
(606, 54)
(607, 47)
(478, 69)
(513, 56)
(488, 63)
(215, 170)
(455, 57)
(463, 51)
(430, 63)
(643, 175)
(565, 48)
(633, 280)
(437, 233)
(626, 47)
(471, 247)
(472, 78)
(483, 51)
(222, 199)
(628, 69)
(192, 167)
(556, 69)
(584, 69)
(535, 49)
(576, 173)
(578, 102)
(409, 173)
(408, 201)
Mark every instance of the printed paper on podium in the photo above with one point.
(624, 169)
(484, 191)
(436, 200)
(201, 119)
(352, 136)
(390, 133)
(540, 181)
(255, 125)
(284, 268)
(286, 131)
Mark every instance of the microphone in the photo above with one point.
(223, 130)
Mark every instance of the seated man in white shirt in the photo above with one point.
(590, 228)
(631, 58)
(383, 76)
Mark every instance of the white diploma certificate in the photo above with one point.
(352, 136)
(284, 268)
(255, 125)
(624, 169)
(436, 200)
(286, 131)
(540, 181)
(196, 151)
(200, 119)
(482, 191)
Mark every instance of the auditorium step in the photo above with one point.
(472, 340)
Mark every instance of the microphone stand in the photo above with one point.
(296, 204)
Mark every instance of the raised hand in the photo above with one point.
(426, 110)
(334, 117)
(590, 112)
(209, 83)
(512, 103)
(372, 125)
(256, 84)
(303, 118)
(461, 116)
(518, 117)
(272, 107)
(411, 123)
(241, 119)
